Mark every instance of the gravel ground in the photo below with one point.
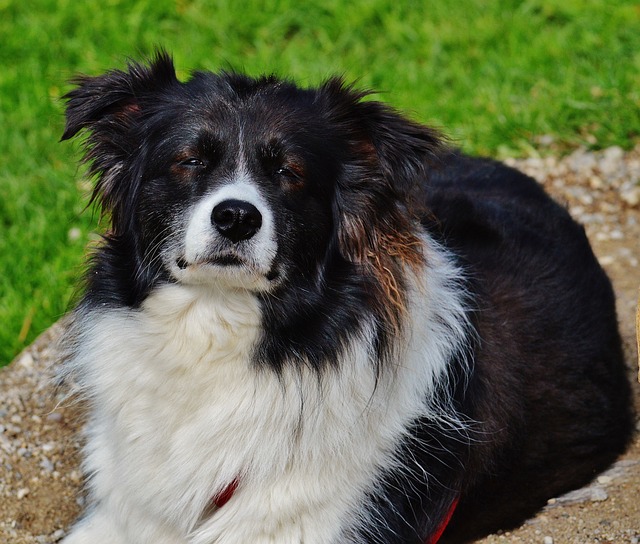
(40, 480)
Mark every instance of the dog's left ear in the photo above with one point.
(404, 149)
(400, 151)
(380, 192)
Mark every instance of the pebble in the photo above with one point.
(75, 476)
(579, 161)
(47, 465)
(611, 158)
(26, 360)
(54, 417)
(548, 540)
(593, 493)
(25, 452)
(22, 493)
(606, 260)
(631, 197)
(617, 235)
(598, 495)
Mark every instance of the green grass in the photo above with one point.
(494, 74)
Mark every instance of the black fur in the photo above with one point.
(548, 396)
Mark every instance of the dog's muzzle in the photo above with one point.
(230, 239)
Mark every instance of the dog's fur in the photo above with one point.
(309, 305)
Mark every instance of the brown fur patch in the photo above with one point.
(385, 254)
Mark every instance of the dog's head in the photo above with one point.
(251, 183)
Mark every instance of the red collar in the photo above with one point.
(437, 534)
(225, 495)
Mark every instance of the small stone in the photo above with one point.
(47, 465)
(548, 540)
(25, 453)
(605, 479)
(598, 494)
(617, 235)
(614, 153)
(22, 493)
(631, 197)
(580, 161)
(595, 182)
(75, 477)
(586, 199)
(54, 417)
(577, 211)
(26, 360)
(611, 162)
(606, 260)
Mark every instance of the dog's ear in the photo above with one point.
(110, 108)
(401, 150)
(109, 104)
(380, 194)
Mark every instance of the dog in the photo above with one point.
(311, 320)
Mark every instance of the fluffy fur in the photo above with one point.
(307, 299)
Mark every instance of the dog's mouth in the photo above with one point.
(226, 261)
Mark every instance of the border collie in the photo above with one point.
(311, 321)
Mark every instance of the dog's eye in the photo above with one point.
(284, 171)
(292, 176)
(192, 162)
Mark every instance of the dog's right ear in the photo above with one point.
(108, 105)
(111, 108)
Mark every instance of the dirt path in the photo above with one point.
(40, 480)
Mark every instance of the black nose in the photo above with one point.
(236, 219)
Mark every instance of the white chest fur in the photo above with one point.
(179, 412)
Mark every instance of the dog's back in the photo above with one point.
(549, 386)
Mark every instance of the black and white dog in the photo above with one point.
(311, 322)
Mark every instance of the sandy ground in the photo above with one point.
(40, 479)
